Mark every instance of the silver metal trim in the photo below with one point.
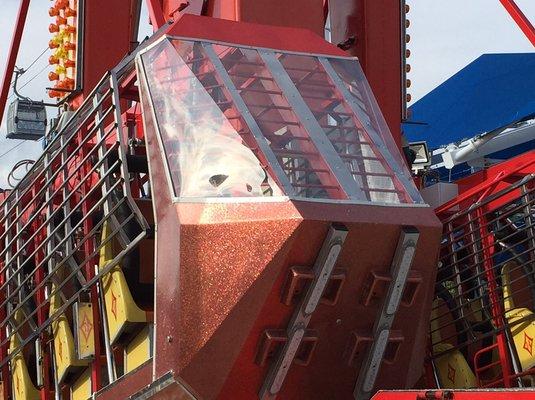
(323, 267)
(249, 120)
(243, 46)
(374, 135)
(142, 80)
(116, 101)
(401, 265)
(316, 133)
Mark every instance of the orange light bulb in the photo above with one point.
(53, 60)
(61, 4)
(68, 83)
(52, 44)
(52, 76)
(61, 20)
(53, 11)
(69, 46)
(69, 12)
(69, 64)
(52, 28)
(53, 93)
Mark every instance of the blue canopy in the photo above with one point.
(493, 91)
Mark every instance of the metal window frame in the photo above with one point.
(374, 135)
(347, 183)
(249, 120)
(326, 149)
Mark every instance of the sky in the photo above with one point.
(446, 35)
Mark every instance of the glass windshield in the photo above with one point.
(236, 122)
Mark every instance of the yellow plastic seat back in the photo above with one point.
(521, 321)
(23, 387)
(121, 310)
(64, 350)
(452, 368)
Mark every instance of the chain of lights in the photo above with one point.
(407, 39)
(405, 66)
(63, 44)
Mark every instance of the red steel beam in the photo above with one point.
(521, 20)
(157, 19)
(12, 55)
(438, 394)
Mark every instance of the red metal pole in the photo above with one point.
(6, 376)
(157, 18)
(521, 20)
(89, 247)
(497, 311)
(12, 55)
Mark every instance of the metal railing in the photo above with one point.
(51, 233)
(485, 290)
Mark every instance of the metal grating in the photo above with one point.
(51, 230)
(485, 290)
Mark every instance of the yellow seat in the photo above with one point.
(139, 350)
(23, 387)
(523, 332)
(65, 356)
(81, 388)
(452, 368)
(122, 312)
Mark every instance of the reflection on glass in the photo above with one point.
(207, 157)
(211, 152)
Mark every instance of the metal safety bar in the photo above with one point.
(485, 290)
(51, 232)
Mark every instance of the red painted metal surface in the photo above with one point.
(222, 267)
(222, 324)
(107, 39)
(455, 395)
(251, 34)
(489, 181)
(156, 15)
(520, 18)
(12, 54)
(375, 26)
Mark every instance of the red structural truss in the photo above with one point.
(520, 18)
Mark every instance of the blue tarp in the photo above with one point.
(493, 91)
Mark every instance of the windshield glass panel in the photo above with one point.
(240, 122)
